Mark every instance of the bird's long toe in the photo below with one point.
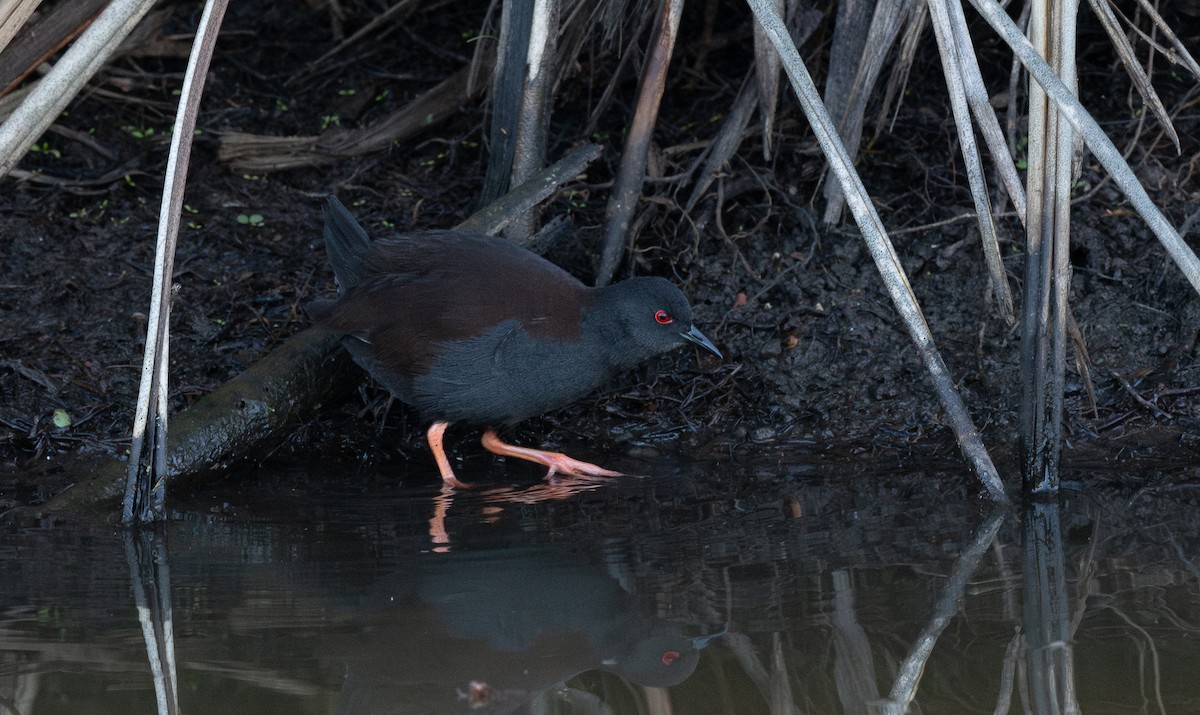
(555, 462)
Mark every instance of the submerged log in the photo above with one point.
(247, 415)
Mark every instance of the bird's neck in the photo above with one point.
(606, 331)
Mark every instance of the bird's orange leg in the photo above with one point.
(557, 462)
(434, 435)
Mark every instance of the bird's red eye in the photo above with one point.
(663, 318)
(670, 657)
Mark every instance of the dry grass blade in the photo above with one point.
(981, 109)
(529, 146)
(1140, 77)
(900, 69)
(850, 29)
(885, 26)
(882, 252)
(494, 217)
(1064, 143)
(1083, 363)
(13, 15)
(1180, 54)
(628, 55)
(1099, 144)
(43, 37)
(632, 172)
(396, 13)
(766, 73)
(56, 90)
(1043, 345)
(508, 78)
(145, 489)
(951, 54)
(725, 144)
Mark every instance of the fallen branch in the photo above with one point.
(257, 153)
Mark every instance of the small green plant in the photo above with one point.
(138, 132)
(576, 200)
(434, 161)
(99, 209)
(61, 418)
(255, 220)
(330, 120)
(347, 92)
(46, 150)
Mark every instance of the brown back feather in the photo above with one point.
(424, 289)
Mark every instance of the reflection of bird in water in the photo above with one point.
(487, 631)
(556, 489)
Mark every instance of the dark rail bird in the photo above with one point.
(472, 328)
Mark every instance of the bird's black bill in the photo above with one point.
(700, 642)
(695, 336)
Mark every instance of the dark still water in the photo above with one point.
(729, 589)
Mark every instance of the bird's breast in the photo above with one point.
(505, 375)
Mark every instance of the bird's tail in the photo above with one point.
(346, 244)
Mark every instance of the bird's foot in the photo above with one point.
(557, 462)
(560, 463)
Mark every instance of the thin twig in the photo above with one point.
(1158, 411)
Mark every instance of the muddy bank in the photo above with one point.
(815, 357)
